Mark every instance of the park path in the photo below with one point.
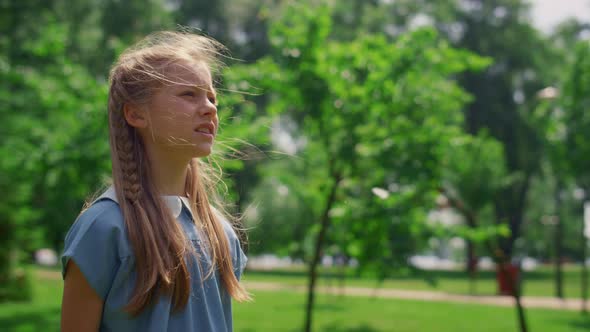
(503, 301)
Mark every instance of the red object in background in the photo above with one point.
(506, 285)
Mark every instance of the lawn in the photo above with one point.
(283, 311)
(535, 283)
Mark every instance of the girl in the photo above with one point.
(151, 253)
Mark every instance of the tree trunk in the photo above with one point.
(557, 240)
(500, 258)
(503, 261)
(325, 222)
(5, 254)
(584, 277)
(7, 227)
(511, 209)
(584, 267)
(516, 293)
(471, 265)
(342, 277)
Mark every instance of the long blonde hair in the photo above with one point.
(159, 244)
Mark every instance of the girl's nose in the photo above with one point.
(209, 109)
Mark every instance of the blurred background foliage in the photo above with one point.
(341, 121)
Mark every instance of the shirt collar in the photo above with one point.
(174, 203)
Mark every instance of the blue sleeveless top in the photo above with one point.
(98, 243)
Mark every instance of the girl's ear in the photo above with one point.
(135, 116)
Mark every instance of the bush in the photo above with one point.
(17, 286)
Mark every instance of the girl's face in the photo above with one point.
(182, 113)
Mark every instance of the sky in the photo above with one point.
(547, 13)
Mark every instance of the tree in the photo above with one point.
(577, 120)
(373, 114)
(49, 124)
(523, 63)
(497, 29)
(474, 175)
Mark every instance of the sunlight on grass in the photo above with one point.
(283, 311)
(43, 314)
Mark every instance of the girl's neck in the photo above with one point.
(168, 171)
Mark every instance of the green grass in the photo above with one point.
(283, 311)
(43, 314)
(536, 283)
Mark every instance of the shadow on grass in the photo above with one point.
(582, 323)
(579, 323)
(40, 320)
(364, 327)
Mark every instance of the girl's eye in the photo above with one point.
(213, 100)
(188, 93)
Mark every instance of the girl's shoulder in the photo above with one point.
(100, 225)
(103, 214)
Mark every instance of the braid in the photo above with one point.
(125, 139)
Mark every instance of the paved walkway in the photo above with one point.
(504, 301)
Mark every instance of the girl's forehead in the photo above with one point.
(195, 74)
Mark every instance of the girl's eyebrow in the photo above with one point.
(201, 87)
(208, 89)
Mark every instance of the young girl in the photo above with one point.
(152, 253)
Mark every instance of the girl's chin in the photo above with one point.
(201, 152)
